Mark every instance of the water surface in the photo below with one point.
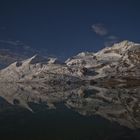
(40, 112)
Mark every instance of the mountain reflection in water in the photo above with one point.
(76, 112)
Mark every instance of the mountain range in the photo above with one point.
(119, 63)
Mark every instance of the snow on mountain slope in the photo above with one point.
(129, 63)
(37, 69)
(85, 59)
(122, 59)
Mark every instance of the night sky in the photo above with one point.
(66, 27)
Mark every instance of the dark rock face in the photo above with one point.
(19, 63)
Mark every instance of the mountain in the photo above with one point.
(122, 60)
(119, 63)
(40, 69)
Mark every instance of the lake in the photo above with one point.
(82, 112)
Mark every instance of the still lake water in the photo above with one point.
(37, 112)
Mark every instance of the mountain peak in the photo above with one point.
(125, 43)
(83, 54)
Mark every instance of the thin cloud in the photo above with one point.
(3, 28)
(18, 44)
(103, 32)
(9, 42)
(99, 29)
(112, 37)
(110, 40)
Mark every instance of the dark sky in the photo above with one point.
(67, 27)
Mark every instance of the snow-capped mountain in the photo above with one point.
(121, 61)
(39, 69)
